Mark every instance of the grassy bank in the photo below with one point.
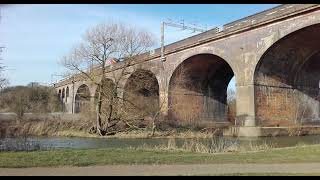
(88, 157)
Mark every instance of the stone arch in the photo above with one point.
(204, 50)
(286, 80)
(82, 98)
(285, 29)
(198, 89)
(141, 94)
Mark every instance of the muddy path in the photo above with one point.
(196, 169)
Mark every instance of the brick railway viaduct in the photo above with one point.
(274, 56)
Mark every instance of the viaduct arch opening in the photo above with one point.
(141, 94)
(82, 99)
(59, 94)
(198, 90)
(63, 95)
(67, 93)
(287, 80)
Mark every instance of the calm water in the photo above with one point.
(85, 143)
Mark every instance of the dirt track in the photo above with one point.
(204, 169)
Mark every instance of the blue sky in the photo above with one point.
(37, 36)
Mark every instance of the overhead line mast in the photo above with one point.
(1, 47)
(177, 25)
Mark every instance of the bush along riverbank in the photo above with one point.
(71, 125)
(45, 125)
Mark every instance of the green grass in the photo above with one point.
(54, 158)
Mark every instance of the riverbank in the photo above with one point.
(76, 125)
(140, 134)
(31, 129)
(129, 156)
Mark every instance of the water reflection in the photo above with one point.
(86, 143)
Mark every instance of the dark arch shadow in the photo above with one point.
(286, 80)
(67, 93)
(198, 90)
(59, 94)
(63, 94)
(141, 94)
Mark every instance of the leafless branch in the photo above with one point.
(101, 43)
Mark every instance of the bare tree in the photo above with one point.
(90, 59)
(231, 102)
(3, 81)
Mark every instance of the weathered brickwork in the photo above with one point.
(287, 80)
(273, 55)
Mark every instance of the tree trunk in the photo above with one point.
(110, 110)
(153, 128)
(98, 110)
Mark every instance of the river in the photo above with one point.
(86, 143)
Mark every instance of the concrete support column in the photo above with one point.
(163, 81)
(317, 110)
(121, 86)
(92, 103)
(163, 102)
(73, 105)
(68, 104)
(245, 105)
(93, 89)
(73, 97)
